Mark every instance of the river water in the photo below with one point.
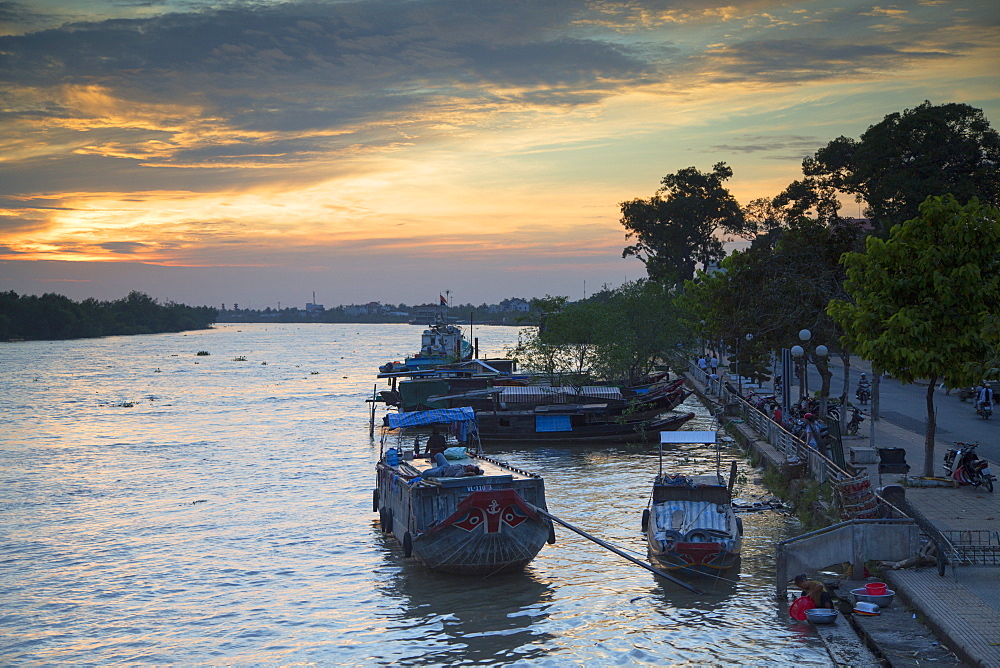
(164, 507)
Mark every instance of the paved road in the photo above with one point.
(905, 406)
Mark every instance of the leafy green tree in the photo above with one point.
(676, 228)
(924, 302)
(616, 335)
(909, 156)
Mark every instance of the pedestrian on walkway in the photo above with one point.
(703, 364)
(813, 435)
(778, 415)
(714, 363)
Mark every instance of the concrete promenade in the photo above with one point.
(962, 607)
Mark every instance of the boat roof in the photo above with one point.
(688, 437)
(436, 416)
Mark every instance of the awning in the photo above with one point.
(423, 418)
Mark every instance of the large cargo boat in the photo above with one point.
(471, 515)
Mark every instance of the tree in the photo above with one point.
(616, 335)
(909, 156)
(924, 301)
(676, 228)
(779, 285)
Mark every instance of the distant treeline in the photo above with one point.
(53, 316)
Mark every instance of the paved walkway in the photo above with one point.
(963, 606)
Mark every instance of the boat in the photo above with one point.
(690, 523)
(441, 343)
(573, 423)
(472, 515)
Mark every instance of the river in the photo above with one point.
(164, 507)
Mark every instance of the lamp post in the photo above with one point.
(703, 341)
(739, 359)
(799, 353)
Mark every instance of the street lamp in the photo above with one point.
(799, 353)
(739, 373)
(703, 338)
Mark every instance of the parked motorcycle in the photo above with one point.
(857, 417)
(963, 465)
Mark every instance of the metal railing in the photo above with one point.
(793, 448)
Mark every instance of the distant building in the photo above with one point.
(515, 305)
(314, 308)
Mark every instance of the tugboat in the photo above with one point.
(465, 513)
(441, 343)
(690, 524)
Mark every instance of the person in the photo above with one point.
(703, 364)
(864, 386)
(984, 397)
(813, 435)
(778, 415)
(436, 443)
(814, 590)
(714, 363)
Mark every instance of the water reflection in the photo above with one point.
(453, 619)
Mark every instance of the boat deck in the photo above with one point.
(493, 470)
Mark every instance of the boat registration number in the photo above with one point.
(479, 488)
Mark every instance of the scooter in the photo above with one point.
(864, 394)
(857, 417)
(985, 411)
(963, 465)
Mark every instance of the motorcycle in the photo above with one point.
(864, 394)
(985, 410)
(857, 417)
(963, 465)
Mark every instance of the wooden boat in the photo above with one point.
(690, 524)
(473, 516)
(567, 423)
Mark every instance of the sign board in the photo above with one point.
(690, 437)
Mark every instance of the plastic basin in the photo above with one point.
(875, 588)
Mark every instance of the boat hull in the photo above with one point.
(524, 427)
(691, 526)
(479, 525)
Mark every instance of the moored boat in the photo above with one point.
(568, 423)
(471, 515)
(441, 343)
(690, 523)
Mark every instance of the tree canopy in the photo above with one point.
(924, 302)
(677, 228)
(53, 316)
(616, 335)
(907, 157)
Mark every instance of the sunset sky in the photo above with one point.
(254, 153)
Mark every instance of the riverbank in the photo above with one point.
(959, 610)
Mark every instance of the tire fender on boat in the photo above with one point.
(374, 500)
(697, 536)
(407, 544)
(552, 533)
(385, 519)
(739, 525)
(645, 519)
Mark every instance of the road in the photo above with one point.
(905, 406)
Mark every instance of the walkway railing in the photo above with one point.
(794, 449)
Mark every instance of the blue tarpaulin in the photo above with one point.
(437, 416)
(553, 423)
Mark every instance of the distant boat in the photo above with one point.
(471, 516)
(690, 524)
